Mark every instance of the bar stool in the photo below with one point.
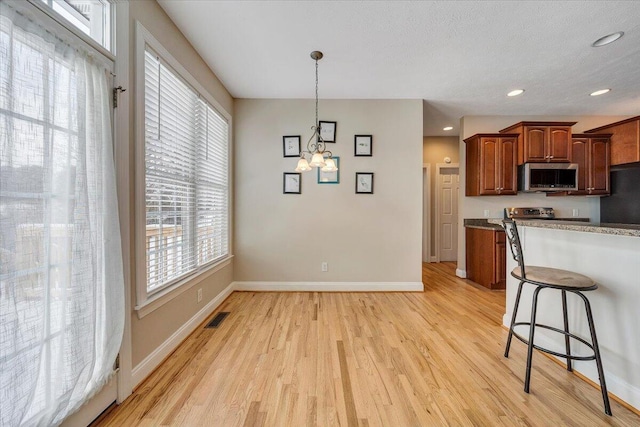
(552, 278)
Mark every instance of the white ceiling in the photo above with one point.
(461, 58)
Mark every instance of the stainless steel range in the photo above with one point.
(529, 213)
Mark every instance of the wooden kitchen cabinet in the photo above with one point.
(625, 140)
(486, 257)
(501, 260)
(592, 154)
(491, 164)
(542, 141)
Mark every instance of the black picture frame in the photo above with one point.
(364, 182)
(363, 145)
(291, 146)
(291, 183)
(328, 130)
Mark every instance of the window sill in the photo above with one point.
(166, 295)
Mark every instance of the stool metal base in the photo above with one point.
(593, 345)
(555, 353)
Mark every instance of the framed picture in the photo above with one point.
(363, 145)
(364, 182)
(330, 177)
(328, 131)
(291, 183)
(291, 146)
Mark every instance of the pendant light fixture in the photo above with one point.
(316, 149)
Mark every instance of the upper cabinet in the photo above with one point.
(542, 141)
(592, 154)
(491, 164)
(625, 140)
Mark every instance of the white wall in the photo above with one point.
(474, 207)
(364, 238)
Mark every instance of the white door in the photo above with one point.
(448, 188)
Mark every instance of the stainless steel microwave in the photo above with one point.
(548, 177)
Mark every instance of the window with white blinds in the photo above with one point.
(186, 177)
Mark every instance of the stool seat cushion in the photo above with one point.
(554, 277)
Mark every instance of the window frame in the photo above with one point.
(146, 302)
(109, 53)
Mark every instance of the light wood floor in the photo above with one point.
(362, 359)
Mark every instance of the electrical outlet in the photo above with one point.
(325, 266)
(199, 294)
(486, 213)
(576, 212)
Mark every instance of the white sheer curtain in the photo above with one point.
(61, 280)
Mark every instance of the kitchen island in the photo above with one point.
(610, 255)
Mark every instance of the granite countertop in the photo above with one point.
(632, 230)
(482, 223)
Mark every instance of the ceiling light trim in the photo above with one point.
(608, 39)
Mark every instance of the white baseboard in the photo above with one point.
(506, 319)
(461, 273)
(329, 286)
(434, 259)
(153, 360)
(92, 409)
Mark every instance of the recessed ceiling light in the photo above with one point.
(516, 92)
(600, 92)
(448, 128)
(603, 41)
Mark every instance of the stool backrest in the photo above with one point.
(511, 230)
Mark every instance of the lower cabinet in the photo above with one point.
(486, 257)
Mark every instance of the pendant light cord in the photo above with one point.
(317, 123)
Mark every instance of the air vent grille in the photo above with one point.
(217, 319)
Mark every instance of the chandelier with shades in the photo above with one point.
(319, 156)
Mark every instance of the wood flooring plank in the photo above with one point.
(350, 407)
(254, 418)
(362, 359)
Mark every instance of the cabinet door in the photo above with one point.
(489, 153)
(500, 268)
(534, 144)
(579, 152)
(625, 142)
(559, 144)
(599, 166)
(508, 167)
(480, 255)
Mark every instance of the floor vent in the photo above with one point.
(215, 322)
